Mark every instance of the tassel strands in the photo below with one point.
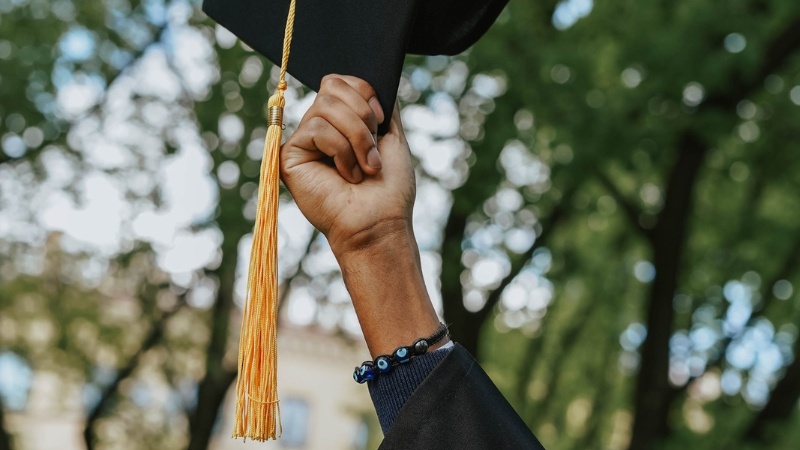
(257, 414)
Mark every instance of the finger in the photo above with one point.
(394, 149)
(347, 90)
(367, 93)
(337, 113)
(317, 138)
(396, 123)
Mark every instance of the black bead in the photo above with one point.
(420, 347)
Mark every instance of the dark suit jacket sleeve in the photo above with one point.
(458, 407)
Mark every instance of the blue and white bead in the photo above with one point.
(364, 373)
(402, 355)
(383, 364)
(367, 371)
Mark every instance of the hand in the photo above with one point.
(368, 194)
(363, 205)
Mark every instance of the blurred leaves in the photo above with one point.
(608, 214)
(679, 113)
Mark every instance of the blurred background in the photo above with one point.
(607, 209)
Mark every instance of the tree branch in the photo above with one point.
(474, 320)
(287, 283)
(782, 402)
(573, 332)
(630, 210)
(158, 35)
(598, 413)
(517, 264)
(5, 436)
(787, 268)
(110, 391)
(777, 52)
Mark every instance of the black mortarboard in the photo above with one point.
(364, 38)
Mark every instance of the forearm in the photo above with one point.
(367, 221)
(385, 282)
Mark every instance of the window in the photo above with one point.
(294, 418)
(362, 435)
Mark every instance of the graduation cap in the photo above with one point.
(367, 39)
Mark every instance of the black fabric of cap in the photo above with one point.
(364, 38)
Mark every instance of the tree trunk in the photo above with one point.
(782, 402)
(465, 325)
(653, 394)
(5, 436)
(215, 383)
(210, 397)
(651, 401)
(109, 393)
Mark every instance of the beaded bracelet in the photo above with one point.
(385, 363)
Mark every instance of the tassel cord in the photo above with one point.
(257, 414)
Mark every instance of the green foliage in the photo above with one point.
(621, 89)
(650, 148)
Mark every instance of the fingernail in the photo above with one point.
(357, 174)
(374, 158)
(376, 108)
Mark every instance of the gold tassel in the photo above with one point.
(257, 408)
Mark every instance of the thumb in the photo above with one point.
(398, 167)
(396, 124)
(302, 170)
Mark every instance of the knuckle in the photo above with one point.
(362, 142)
(316, 124)
(331, 81)
(326, 101)
(363, 87)
(367, 115)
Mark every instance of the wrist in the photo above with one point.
(371, 241)
(385, 282)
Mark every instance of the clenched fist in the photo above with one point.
(367, 194)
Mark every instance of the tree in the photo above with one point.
(607, 195)
(113, 96)
(679, 106)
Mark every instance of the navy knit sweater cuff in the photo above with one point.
(390, 391)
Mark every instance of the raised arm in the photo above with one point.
(359, 191)
(363, 204)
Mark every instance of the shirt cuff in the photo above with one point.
(390, 391)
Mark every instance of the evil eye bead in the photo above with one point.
(357, 376)
(402, 355)
(420, 347)
(383, 364)
(366, 371)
